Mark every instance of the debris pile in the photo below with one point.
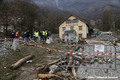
(54, 71)
(97, 42)
(4, 47)
(105, 37)
(70, 66)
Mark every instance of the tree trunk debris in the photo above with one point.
(74, 73)
(47, 76)
(20, 62)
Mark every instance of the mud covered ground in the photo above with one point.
(27, 70)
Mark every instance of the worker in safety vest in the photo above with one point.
(17, 34)
(43, 35)
(36, 35)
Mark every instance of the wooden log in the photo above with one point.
(37, 79)
(65, 74)
(86, 61)
(92, 61)
(83, 79)
(30, 44)
(78, 58)
(62, 62)
(40, 69)
(70, 61)
(55, 62)
(76, 48)
(61, 67)
(74, 73)
(48, 76)
(21, 61)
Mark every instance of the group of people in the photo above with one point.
(14, 34)
(43, 35)
(23, 35)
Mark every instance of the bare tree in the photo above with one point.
(5, 13)
(106, 21)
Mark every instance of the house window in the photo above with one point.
(63, 28)
(71, 21)
(80, 27)
(71, 27)
(80, 35)
(75, 21)
(68, 21)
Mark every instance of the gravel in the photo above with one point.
(101, 74)
(87, 73)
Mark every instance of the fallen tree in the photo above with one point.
(48, 76)
(21, 61)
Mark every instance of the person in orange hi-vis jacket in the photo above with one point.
(17, 34)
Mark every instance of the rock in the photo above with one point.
(64, 73)
(92, 61)
(53, 69)
(4, 67)
(29, 61)
(96, 59)
(118, 57)
(106, 71)
(118, 44)
(15, 44)
(49, 40)
(110, 61)
(83, 64)
(100, 62)
(87, 58)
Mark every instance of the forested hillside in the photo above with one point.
(26, 15)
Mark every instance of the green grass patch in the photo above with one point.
(39, 58)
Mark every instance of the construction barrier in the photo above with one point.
(89, 56)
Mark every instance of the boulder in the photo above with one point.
(118, 57)
(15, 44)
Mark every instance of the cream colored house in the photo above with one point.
(74, 23)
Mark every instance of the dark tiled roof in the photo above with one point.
(76, 18)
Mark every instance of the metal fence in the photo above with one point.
(87, 56)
